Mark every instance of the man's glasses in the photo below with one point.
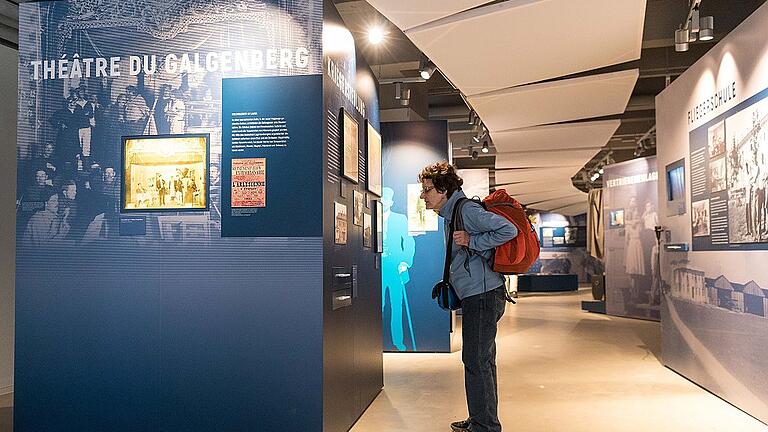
(426, 189)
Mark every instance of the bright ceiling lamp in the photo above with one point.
(375, 35)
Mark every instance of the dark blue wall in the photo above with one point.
(352, 352)
(179, 328)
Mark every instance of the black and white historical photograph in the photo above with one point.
(747, 170)
(357, 206)
(717, 181)
(716, 139)
(700, 218)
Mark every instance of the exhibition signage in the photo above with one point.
(270, 149)
(729, 178)
(630, 205)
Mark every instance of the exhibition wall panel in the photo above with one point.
(563, 246)
(139, 288)
(8, 56)
(351, 181)
(631, 252)
(414, 243)
(712, 119)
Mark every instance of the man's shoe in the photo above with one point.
(461, 426)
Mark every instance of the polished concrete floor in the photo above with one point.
(560, 369)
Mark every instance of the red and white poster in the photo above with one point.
(249, 182)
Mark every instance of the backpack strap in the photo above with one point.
(457, 224)
(449, 245)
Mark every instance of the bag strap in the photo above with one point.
(449, 246)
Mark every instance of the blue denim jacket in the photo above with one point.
(486, 231)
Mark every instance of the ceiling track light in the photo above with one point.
(695, 27)
(426, 69)
(403, 94)
(472, 115)
(485, 148)
(681, 40)
(707, 30)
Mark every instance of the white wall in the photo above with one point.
(8, 81)
(741, 57)
(720, 350)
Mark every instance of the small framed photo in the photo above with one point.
(373, 160)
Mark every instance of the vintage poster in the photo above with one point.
(165, 173)
(249, 183)
(340, 226)
(374, 160)
(419, 218)
(357, 204)
(351, 162)
(367, 230)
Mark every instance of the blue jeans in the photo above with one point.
(480, 315)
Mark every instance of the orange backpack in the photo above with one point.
(519, 254)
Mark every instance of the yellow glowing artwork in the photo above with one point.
(165, 173)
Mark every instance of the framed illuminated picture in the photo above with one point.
(351, 147)
(373, 163)
(165, 173)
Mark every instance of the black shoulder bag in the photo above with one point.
(443, 291)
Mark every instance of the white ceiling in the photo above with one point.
(537, 186)
(406, 14)
(575, 209)
(535, 197)
(563, 136)
(555, 204)
(556, 102)
(505, 58)
(544, 158)
(525, 41)
(565, 173)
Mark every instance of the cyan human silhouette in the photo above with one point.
(397, 258)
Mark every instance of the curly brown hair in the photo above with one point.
(443, 176)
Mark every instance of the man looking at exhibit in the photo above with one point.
(480, 289)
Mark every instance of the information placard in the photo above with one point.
(729, 179)
(271, 165)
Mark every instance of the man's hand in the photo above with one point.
(461, 238)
